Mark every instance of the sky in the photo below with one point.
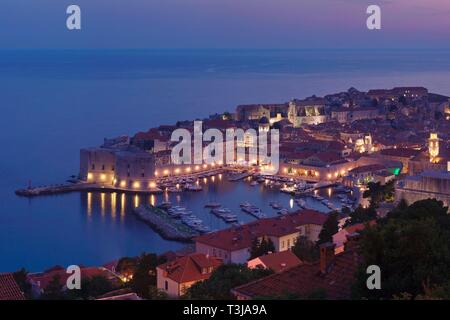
(224, 24)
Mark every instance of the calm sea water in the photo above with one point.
(53, 103)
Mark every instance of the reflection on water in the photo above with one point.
(113, 204)
(217, 189)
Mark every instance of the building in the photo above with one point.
(428, 184)
(124, 168)
(433, 146)
(319, 166)
(9, 289)
(340, 238)
(402, 155)
(333, 274)
(233, 245)
(175, 277)
(306, 112)
(349, 115)
(363, 175)
(275, 261)
(273, 112)
(396, 93)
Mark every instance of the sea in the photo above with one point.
(55, 102)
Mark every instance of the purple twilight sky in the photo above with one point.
(224, 24)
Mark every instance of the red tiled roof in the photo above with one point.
(189, 268)
(400, 152)
(305, 278)
(359, 226)
(152, 134)
(328, 156)
(368, 168)
(241, 237)
(9, 289)
(300, 155)
(280, 261)
(219, 124)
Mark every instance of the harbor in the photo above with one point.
(222, 203)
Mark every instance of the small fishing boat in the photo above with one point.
(165, 205)
(213, 205)
(283, 211)
(193, 187)
(174, 190)
(275, 205)
(245, 204)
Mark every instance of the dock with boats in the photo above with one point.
(252, 210)
(167, 226)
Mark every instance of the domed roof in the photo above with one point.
(264, 120)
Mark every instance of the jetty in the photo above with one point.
(239, 176)
(166, 226)
(76, 187)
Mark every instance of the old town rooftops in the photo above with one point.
(241, 237)
(368, 168)
(400, 152)
(278, 261)
(305, 278)
(190, 268)
(9, 289)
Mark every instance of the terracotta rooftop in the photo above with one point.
(305, 278)
(241, 237)
(400, 152)
(190, 268)
(279, 261)
(9, 289)
(368, 168)
(152, 134)
(328, 157)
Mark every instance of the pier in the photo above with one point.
(166, 226)
(78, 186)
(239, 176)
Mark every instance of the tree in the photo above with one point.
(306, 250)
(379, 193)
(91, 288)
(329, 228)
(54, 289)
(222, 280)
(412, 248)
(22, 280)
(127, 265)
(361, 215)
(144, 277)
(261, 247)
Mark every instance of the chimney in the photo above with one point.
(352, 241)
(326, 256)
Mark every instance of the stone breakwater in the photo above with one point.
(162, 223)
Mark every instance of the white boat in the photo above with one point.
(245, 204)
(275, 205)
(193, 187)
(283, 211)
(213, 205)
